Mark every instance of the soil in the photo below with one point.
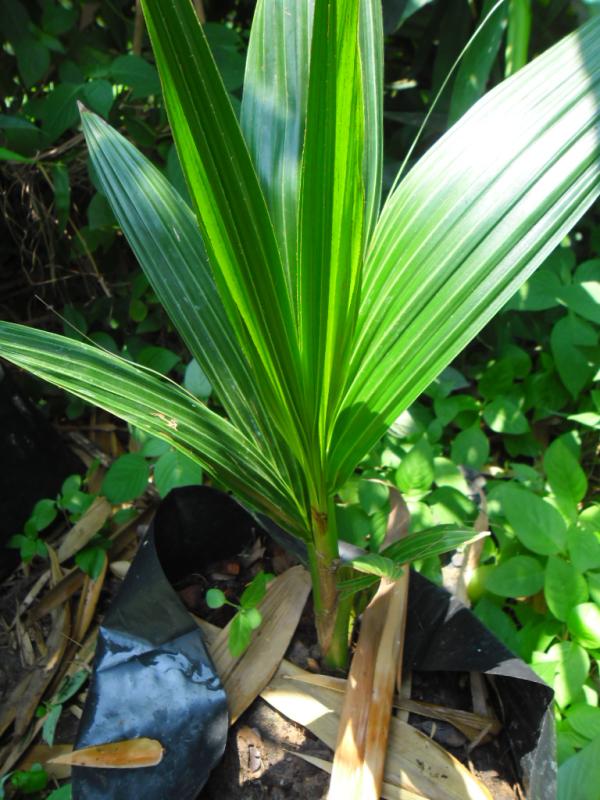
(259, 760)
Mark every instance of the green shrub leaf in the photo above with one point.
(126, 479)
(566, 478)
(584, 625)
(196, 381)
(536, 523)
(569, 339)
(565, 667)
(215, 598)
(503, 415)
(471, 448)
(520, 576)
(416, 473)
(564, 587)
(583, 539)
(173, 469)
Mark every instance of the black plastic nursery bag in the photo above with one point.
(152, 674)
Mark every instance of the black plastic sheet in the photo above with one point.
(443, 635)
(153, 676)
(152, 673)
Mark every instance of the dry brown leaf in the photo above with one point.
(73, 580)
(8, 709)
(414, 762)
(472, 725)
(360, 753)
(127, 754)
(20, 706)
(34, 591)
(85, 528)
(366, 712)
(40, 679)
(26, 651)
(404, 691)
(57, 595)
(13, 751)
(467, 722)
(88, 602)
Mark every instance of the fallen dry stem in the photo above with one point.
(361, 747)
(469, 723)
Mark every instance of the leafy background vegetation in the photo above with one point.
(510, 431)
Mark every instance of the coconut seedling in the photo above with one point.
(317, 311)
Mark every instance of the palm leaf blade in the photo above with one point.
(466, 227)
(331, 206)
(274, 111)
(233, 216)
(273, 117)
(164, 236)
(153, 404)
(371, 59)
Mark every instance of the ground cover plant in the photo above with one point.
(317, 318)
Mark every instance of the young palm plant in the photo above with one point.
(318, 316)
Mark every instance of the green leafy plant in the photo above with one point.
(316, 317)
(64, 792)
(51, 711)
(537, 583)
(537, 586)
(70, 500)
(29, 543)
(248, 617)
(28, 781)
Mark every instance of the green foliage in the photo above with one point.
(92, 558)
(124, 482)
(173, 469)
(517, 576)
(126, 478)
(579, 775)
(520, 407)
(70, 500)
(51, 711)
(247, 618)
(475, 67)
(54, 56)
(63, 793)
(28, 781)
(537, 584)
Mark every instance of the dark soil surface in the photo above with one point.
(259, 760)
